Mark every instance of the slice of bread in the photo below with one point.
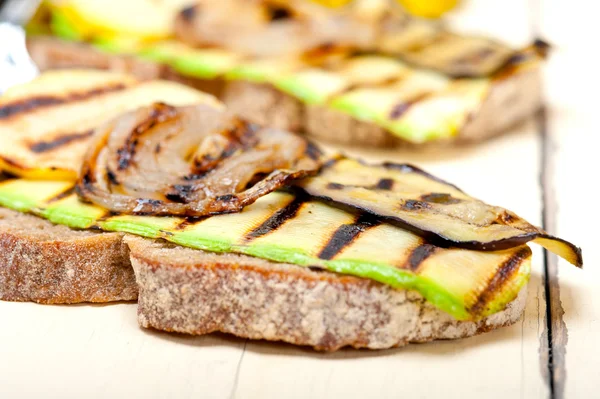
(510, 99)
(507, 103)
(195, 292)
(50, 53)
(47, 263)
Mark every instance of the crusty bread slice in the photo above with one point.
(47, 263)
(50, 53)
(508, 102)
(195, 292)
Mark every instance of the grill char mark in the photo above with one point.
(312, 151)
(240, 136)
(335, 186)
(189, 221)
(418, 256)
(188, 13)
(346, 234)
(159, 113)
(277, 220)
(61, 195)
(26, 105)
(503, 274)
(400, 109)
(385, 184)
(59, 141)
(12, 163)
(181, 193)
(414, 205)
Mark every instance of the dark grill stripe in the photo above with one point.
(69, 191)
(401, 108)
(158, 113)
(277, 219)
(189, 12)
(12, 163)
(418, 256)
(189, 221)
(312, 151)
(385, 184)
(59, 141)
(30, 104)
(346, 234)
(503, 274)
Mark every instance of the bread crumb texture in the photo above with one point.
(195, 292)
(47, 263)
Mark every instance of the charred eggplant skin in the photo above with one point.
(445, 242)
(412, 199)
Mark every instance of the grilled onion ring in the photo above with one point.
(189, 161)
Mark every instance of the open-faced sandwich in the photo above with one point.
(366, 74)
(116, 189)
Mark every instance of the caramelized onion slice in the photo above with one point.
(409, 197)
(194, 161)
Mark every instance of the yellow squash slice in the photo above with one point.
(46, 125)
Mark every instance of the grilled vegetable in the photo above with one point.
(194, 161)
(206, 63)
(46, 125)
(264, 69)
(316, 85)
(459, 56)
(418, 106)
(275, 28)
(272, 28)
(281, 227)
(113, 18)
(407, 196)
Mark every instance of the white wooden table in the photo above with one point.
(545, 170)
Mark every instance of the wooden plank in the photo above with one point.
(98, 351)
(571, 165)
(504, 363)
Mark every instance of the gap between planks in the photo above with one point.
(554, 338)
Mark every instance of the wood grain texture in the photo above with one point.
(99, 351)
(572, 164)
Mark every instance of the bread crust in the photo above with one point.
(195, 292)
(51, 264)
(51, 53)
(509, 101)
(264, 104)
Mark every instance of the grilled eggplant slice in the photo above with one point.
(193, 161)
(282, 227)
(407, 196)
(46, 125)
